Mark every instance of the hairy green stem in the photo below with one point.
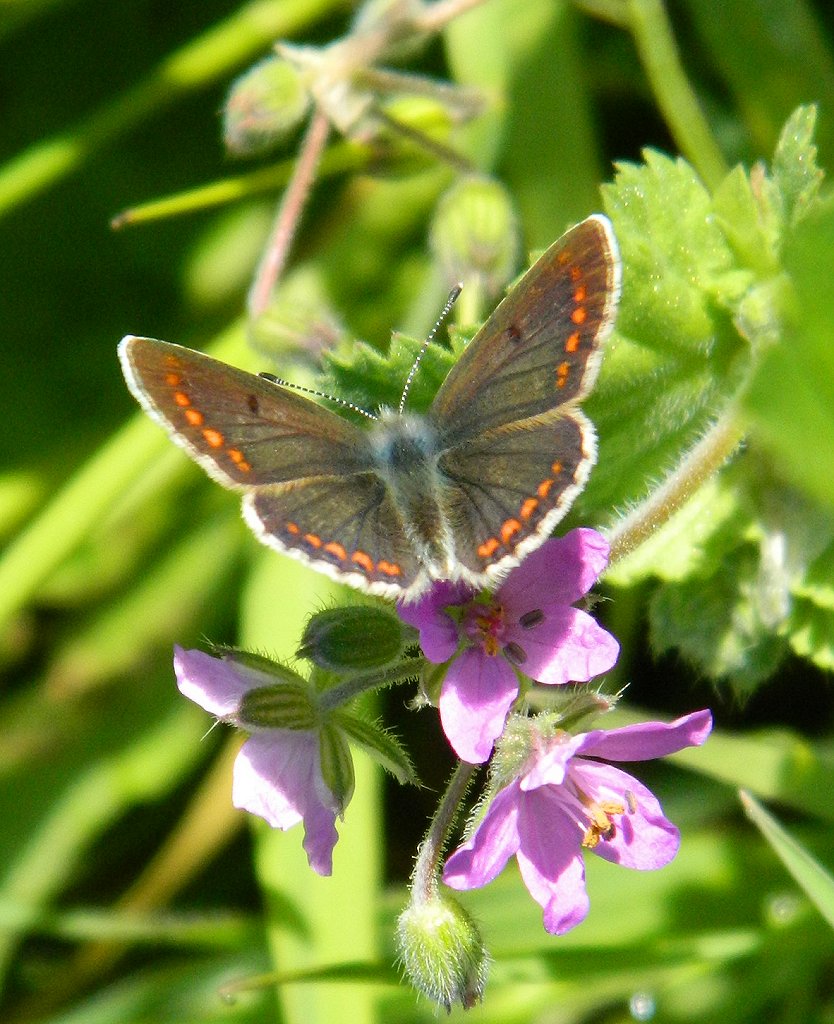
(356, 685)
(427, 866)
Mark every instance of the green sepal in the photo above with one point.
(336, 763)
(382, 745)
(796, 175)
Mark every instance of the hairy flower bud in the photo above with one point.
(354, 639)
(442, 952)
(263, 106)
(475, 234)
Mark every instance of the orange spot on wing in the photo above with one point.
(334, 548)
(293, 528)
(509, 528)
(529, 507)
(579, 315)
(580, 294)
(214, 439)
(363, 560)
(544, 488)
(489, 547)
(239, 459)
(562, 374)
(575, 273)
(182, 399)
(173, 380)
(389, 568)
(556, 468)
(572, 344)
(313, 540)
(194, 417)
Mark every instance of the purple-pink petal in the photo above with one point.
(483, 856)
(438, 631)
(646, 740)
(559, 572)
(476, 696)
(550, 859)
(214, 683)
(276, 777)
(643, 837)
(568, 645)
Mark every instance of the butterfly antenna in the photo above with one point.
(317, 394)
(453, 296)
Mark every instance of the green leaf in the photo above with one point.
(718, 623)
(796, 175)
(816, 882)
(676, 357)
(372, 380)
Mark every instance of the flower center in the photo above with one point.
(485, 626)
(600, 819)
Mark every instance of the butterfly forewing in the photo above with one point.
(244, 430)
(540, 348)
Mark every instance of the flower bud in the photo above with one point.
(475, 236)
(299, 322)
(442, 953)
(285, 706)
(263, 106)
(354, 639)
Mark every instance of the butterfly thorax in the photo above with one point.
(406, 448)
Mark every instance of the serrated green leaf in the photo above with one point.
(372, 380)
(380, 744)
(796, 175)
(817, 585)
(718, 623)
(677, 356)
(742, 218)
(816, 882)
(810, 633)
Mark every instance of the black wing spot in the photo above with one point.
(254, 405)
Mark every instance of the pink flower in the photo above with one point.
(277, 773)
(564, 802)
(528, 625)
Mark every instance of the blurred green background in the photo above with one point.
(131, 891)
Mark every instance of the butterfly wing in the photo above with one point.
(308, 475)
(243, 430)
(540, 349)
(509, 487)
(516, 448)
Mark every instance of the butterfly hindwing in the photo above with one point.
(510, 486)
(540, 349)
(243, 430)
(348, 527)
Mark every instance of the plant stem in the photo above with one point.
(426, 867)
(659, 55)
(356, 685)
(289, 214)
